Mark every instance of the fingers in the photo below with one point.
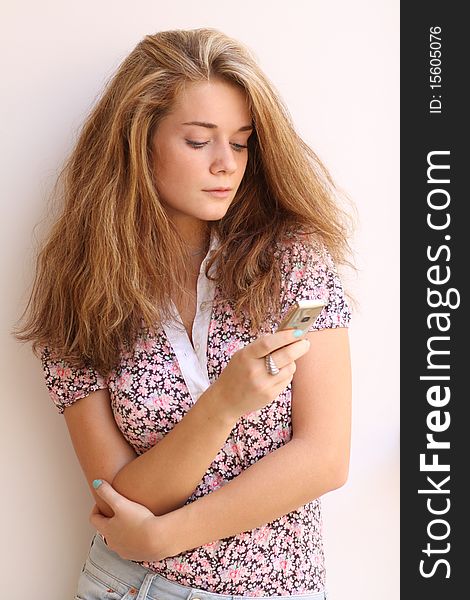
(111, 497)
(271, 342)
(290, 353)
(287, 355)
(99, 522)
(106, 491)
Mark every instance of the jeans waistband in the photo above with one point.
(135, 582)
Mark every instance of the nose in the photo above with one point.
(224, 159)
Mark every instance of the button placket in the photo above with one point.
(201, 324)
(193, 359)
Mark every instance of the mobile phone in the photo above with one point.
(302, 315)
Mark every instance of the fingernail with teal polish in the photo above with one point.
(298, 332)
(97, 483)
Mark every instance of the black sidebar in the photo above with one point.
(434, 259)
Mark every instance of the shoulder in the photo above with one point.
(66, 382)
(299, 250)
(308, 272)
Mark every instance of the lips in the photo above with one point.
(218, 189)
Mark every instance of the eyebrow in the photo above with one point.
(214, 126)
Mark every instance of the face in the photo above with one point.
(189, 159)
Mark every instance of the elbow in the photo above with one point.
(339, 480)
(115, 481)
(331, 467)
(338, 474)
(117, 485)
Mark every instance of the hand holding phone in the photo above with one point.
(245, 385)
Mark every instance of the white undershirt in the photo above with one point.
(193, 360)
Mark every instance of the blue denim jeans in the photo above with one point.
(107, 576)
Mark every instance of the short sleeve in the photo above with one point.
(67, 384)
(309, 273)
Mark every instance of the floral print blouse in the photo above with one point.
(158, 381)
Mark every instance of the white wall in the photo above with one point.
(336, 66)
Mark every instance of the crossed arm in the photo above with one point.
(312, 463)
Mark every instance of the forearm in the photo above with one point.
(164, 477)
(279, 483)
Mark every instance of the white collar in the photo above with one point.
(193, 360)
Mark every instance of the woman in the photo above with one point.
(156, 300)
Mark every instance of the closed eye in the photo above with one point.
(198, 145)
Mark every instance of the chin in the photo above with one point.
(213, 214)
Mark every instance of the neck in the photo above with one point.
(199, 246)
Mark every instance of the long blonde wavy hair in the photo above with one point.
(113, 259)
